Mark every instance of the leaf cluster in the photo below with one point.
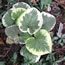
(27, 25)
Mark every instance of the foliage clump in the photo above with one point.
(27, 25)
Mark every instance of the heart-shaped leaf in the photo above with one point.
(21, 5)
(31, 21)
(40, 44)
(6, 19)
(49, 21)
(32, 58)
(16, 12)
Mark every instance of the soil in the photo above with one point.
(6, 50)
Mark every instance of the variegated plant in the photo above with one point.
(27, 25)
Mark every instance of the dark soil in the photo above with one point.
(7, 51)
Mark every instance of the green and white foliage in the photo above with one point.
(31, 21)
(6, 19)
(49, 21)
(29, 56)
(16, 12)
(27, 25)
(40, 44)
(21, 5)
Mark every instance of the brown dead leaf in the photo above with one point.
(33, 1)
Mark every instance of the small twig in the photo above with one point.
(2, 56)
(8, 51)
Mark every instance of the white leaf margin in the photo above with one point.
(3, 20)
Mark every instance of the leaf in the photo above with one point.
(14, 58)
(6, 19)
(32, 58)
(31, 21)
(55, 38)
(21, 5)
(41, 3)
(16, 12)
(12, 31)
(41, 44)
(2, 63)
(13, 34)
(46, 2)
(49, 21)
(61, 59)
